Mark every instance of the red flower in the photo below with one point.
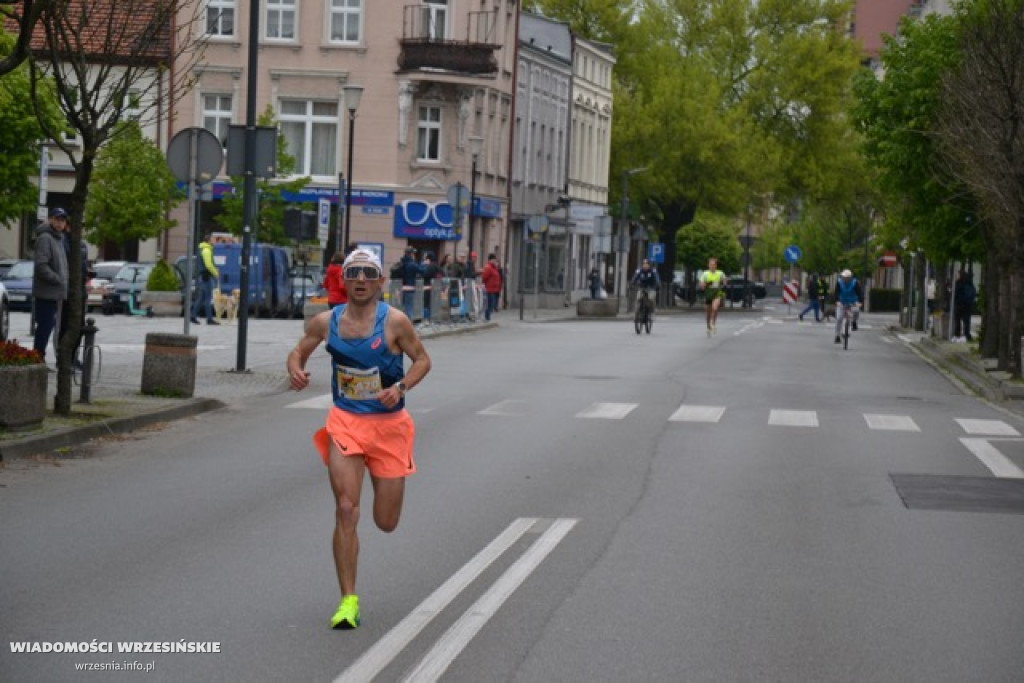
(12, 353)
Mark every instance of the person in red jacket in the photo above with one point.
(491, 277)
(334, 282)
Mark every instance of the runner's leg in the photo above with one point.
(346, 475)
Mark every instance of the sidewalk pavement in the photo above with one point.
(117, 405)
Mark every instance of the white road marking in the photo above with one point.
(509, 407)
(896, 423)
(607, 411)
(323, 402)
(989, 455)
(375, 659)
(987, 427)
(439, 658)
(687, 413)
(793, 418)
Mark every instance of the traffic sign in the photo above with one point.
(789, 292)
(888, 260)
(323, 223)
(792, 253)
(538, 223)
(656, 252)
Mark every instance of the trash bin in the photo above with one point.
(169, 365)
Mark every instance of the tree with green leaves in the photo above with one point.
(725, 102)
(927, 209)
(105, 60)
(25, 15)
(980, 130)
(270, 215)
(132, 190)
(20, 133)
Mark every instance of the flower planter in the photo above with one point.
(22, 396)
(163, 304)
(169, 365)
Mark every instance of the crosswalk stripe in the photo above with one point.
(318, 402)
(607, 411)
(896, 423)
(793, 418)
(691, 413)
(509, 408)
(992, 458)
(987, 427)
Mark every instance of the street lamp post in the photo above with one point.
(338, 245)
(353, 93)
(476, 144)
(623, 227)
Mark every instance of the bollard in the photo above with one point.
(88, 346)
(169, 365)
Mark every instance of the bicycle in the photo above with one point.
(644, 317)
(848, 310)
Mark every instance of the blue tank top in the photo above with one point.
(362, 367)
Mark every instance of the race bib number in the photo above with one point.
(358, 385)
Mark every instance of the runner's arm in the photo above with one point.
(408, 342)
(298, 376)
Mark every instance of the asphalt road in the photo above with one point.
(591, 505)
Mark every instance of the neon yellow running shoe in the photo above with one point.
(347, 616)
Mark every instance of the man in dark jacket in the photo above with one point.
(50, 278)
(813, 290)
(964, 298)
(410, 271)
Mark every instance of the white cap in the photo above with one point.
(362, 256)
(846, 273)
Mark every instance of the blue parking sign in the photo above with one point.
(656, 252)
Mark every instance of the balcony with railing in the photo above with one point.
(427, 42)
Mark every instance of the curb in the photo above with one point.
(73, 436)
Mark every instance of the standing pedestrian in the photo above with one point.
(410, 271)
(368, 426)
(207, 277)
(431, 278)
(813, 290)
(50, 277)
(964, 298)
(594, 280)
(334, 282)
(491, 277)
(64, 325)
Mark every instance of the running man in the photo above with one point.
(848, 295)
(368, 427)
(712, 283)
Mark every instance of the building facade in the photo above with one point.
(436, 75)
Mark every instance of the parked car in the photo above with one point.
(736, 287)
(128, 282)
(18, 283)
(102, 273)
(5, 314)
(5, 265)
(307, 284)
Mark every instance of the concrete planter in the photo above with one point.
(163, 304)
(597, 308)
(169, 365)
(22, 396)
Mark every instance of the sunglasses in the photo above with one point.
(368, 272)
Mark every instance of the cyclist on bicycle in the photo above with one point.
(712, 283)
(848, 296)
(646, 279)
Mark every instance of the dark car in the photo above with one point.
(736, 287)
(18, 282)
(122, 292)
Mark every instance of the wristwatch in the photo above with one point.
(402, 388)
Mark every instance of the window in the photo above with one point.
(435, 19)
(220, 17)
(345, 20)
(217, 115)
(311, 130)
(281, 19)
(428, 134)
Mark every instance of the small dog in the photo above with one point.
(226, 306)
(829, 313)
